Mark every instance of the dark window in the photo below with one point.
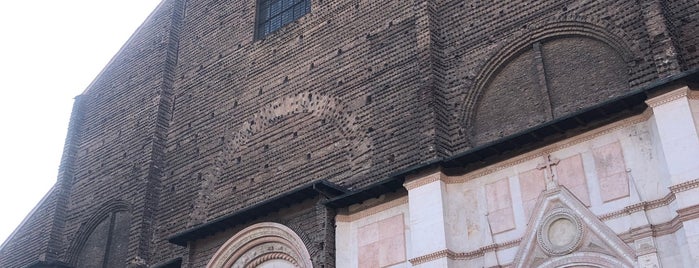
(274, 14)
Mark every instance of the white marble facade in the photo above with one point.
(623, 195)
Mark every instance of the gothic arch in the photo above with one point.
(522, 42)
(88, 227)
(261, 243)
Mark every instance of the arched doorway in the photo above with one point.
(265, 245)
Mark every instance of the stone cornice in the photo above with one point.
(464, 255)
(661, 229)
(693, 95)
(688, 185)
(642, 206)
(372, 210)
(424, 180)
(676, 94)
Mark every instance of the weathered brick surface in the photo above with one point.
(29, 241)
(683, 17)
(195, 118)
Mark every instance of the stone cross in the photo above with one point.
(549, 175)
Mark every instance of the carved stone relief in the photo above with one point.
(564, 232)
(262, 245)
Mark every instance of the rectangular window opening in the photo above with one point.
(274, 14)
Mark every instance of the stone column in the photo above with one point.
(676, 120)
(426, 196)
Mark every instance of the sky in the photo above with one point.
(50, 51)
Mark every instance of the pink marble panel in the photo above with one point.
(501, 220)
(498, 195)
(611, 170)
(571, 174)
(614, 187)
(382, 243)
(368, 234)
(392, 250)
(531, 183)
(391, 227)
(369, 255)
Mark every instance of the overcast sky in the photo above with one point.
(50, 51)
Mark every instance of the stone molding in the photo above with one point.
(653, 204)
(693, 95)
(685, 186)
(688, 213)
(675, 94)
(642, 206)
(431, 257)
(480, 252)
(643, 117)
(550, 204)
(422, 181)
(259, 243)
(372, 210)
(545, 241)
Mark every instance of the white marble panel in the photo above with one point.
(678, 135)
(427, 219)
(345, 245)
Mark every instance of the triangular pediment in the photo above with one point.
(563, 231)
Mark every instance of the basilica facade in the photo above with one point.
(354, 133)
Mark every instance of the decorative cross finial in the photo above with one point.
(549, 175)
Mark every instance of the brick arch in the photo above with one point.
(86, 229)
(522, 41)
(321, 106)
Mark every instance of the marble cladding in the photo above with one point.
(479, 218)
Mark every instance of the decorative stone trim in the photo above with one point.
(271, 256)
(666, 228)
(685, 186)
(693, 95)
(643, 206)
(371, 211)
(480, 252)
(673, 95)
(688, 213)
(653, 204)
(430, 257)
(549, 244)
(643, 117)
(259, 243)
(422, 181)
(655, 230)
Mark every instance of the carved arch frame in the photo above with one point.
(592, 259)
(521, 42)
(293, 249)
(89, 226)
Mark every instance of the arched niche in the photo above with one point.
(267, 245)
(102, 241)
(559, 73)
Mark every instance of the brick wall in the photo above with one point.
(195, 118)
